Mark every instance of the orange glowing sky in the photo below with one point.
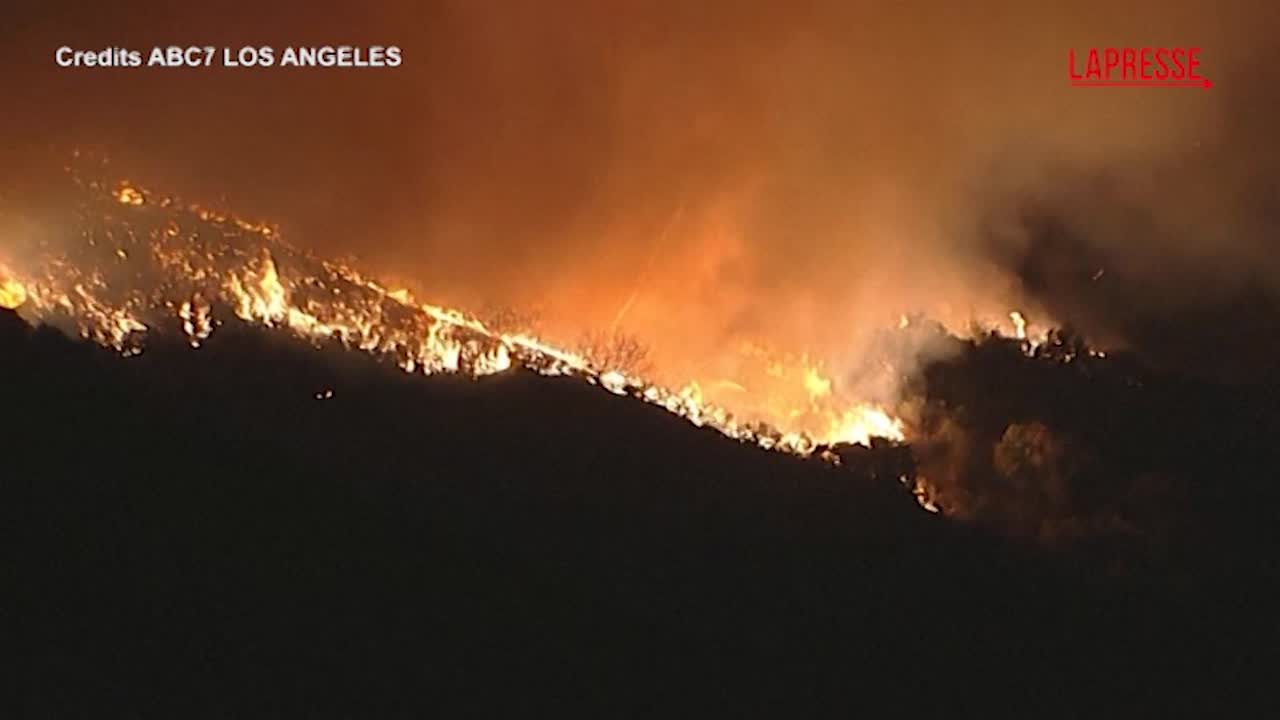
(728, 172)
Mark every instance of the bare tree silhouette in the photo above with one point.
(616, 351)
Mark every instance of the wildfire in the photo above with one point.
(797, 392)
(163, 263)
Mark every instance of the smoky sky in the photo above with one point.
(708, 172)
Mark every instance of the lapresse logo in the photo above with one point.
(1136, 67)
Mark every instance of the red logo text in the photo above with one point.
(1136, 66)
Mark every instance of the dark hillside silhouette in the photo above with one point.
(209, 533)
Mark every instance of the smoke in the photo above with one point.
(715, 174)
(1168, 252)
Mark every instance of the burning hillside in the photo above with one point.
(257, 516)
(142, 261)
(982, 416)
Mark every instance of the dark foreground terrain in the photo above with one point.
(195, 534)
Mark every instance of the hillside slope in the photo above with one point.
(211, 533)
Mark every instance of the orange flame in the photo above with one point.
(12, 293)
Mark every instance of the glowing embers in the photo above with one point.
(128, 195)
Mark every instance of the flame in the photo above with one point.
(798, 393)
(817, 385)
(1019, 324)
(863, 422)
(12, 293)
(165, 263)
(1021, 331)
